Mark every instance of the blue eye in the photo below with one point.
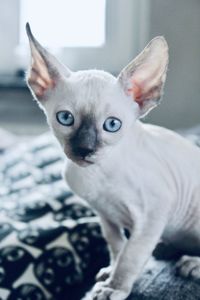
(65, 118)
(112, 124)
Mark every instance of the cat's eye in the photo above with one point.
(65, 118)
(112, 124)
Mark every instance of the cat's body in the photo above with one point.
(115, 191)
(136, 176)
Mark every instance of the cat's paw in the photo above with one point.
(189, 267)
(101, 291)
(104, 274)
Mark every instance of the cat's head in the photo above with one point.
(91, 111)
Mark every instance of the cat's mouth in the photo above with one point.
(81, 161)
(85, 162)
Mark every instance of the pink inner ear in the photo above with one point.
(136, 92)
(39, 77)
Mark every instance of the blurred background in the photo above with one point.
(103, 34)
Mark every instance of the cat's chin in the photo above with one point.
(82, 162)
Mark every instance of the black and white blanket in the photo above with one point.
(51, 244)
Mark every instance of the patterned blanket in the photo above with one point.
(51, 244)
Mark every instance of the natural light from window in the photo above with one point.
(64, 23)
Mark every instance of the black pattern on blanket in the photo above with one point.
(50, 242)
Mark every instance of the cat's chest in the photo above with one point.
(108, 193)
(88, 183)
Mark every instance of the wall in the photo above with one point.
(8, 34)
(179, 22)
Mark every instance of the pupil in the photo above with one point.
(113, 123)
(66, 115)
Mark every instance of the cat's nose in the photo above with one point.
(83, 151)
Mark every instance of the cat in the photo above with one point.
(136, 176)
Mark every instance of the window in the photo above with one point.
(64, 23)
(103, 34)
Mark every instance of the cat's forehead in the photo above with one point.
(92, 83)
(90, 92)
(92, 76)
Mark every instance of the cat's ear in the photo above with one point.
(143, 79)
(44, 71)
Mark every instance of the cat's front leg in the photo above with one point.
(131, 260)
(116, 241)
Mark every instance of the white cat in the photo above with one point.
(140, 177)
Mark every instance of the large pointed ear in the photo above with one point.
(45, 70)
(144, 77)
